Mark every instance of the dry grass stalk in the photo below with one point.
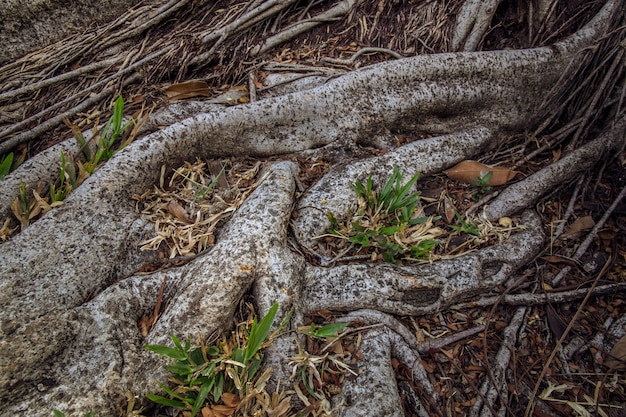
(187, 211)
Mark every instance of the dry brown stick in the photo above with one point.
(155, 18)
(497, 376)
(442, 342)
(590, 236)
(530, 406)
(255, 15)
(14, 128)
(66, 76)
(539, 299)
(332, 14)
(350, 61)
(591, 107)
(570, 209)
(58, 119)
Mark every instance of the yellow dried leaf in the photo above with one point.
(233, 96)
(470, 171)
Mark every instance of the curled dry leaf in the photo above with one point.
(178, 211)
(470, 171)
(449, 210)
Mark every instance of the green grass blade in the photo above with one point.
(173, 394)
(204, 391)
(259, 333)
(219, 386)
(386, 194)
(360, 190)
(168, 402)
(5, 165)
(118, 114)
(328, 330)
(167, 351)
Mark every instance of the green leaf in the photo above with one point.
(259, 333)
(305, 381)
(5, 165)
(177, 343)
(239, 355)
(168, 402)
(328, 330)
(180, 368)
(485, 179)
(334, 224)
(360, 239)
(254, 366)
(172, 393)
(209, 370)
(385, 194)
(423, 249)
(219, 386)
(195, 356)
(57, 413)
(360, 190)
(167, 351)
(390, 231)
(204, 391)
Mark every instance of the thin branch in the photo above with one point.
(591, 236)
(58, 119)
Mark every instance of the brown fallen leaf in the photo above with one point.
(555, 322)
(449, 209)
(471, 171)
(580, 225)
(616, 359)
(178, 211)
(230, 400)
(187, 90)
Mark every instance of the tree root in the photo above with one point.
(79, 296)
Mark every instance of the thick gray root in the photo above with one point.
(87, 357)
(527, 192)
(421, 289)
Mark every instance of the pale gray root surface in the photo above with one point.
(473, 21)
(68, 328)
(29, 25)
(493, 93)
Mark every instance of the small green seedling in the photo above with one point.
(325, 331)
(68, 180)
(384, 215)
(481, 185)
(205, 373)
(5, 165)
(466, 227)
(8, 163)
